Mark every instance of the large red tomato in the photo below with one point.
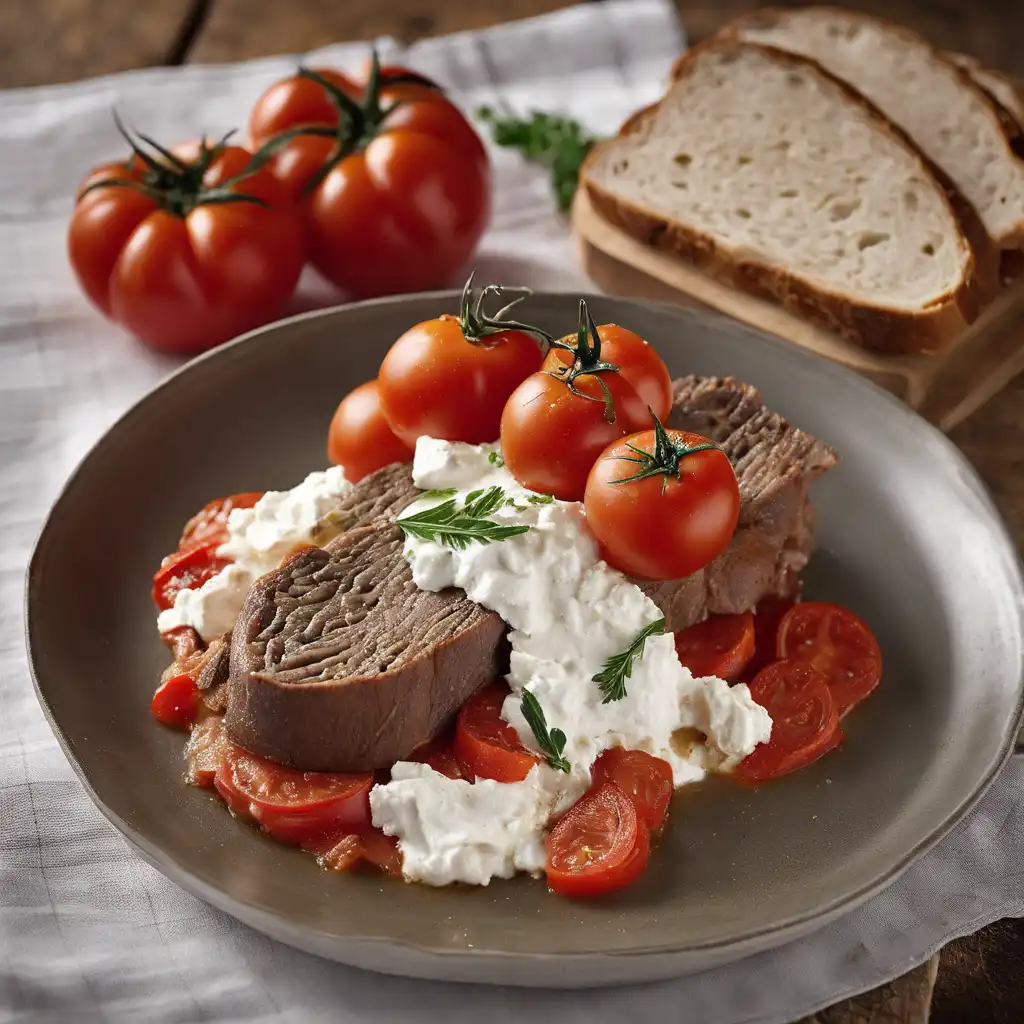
(394, 182)
(662, 503)
(558, 421)
(186, 248)
(450, 377)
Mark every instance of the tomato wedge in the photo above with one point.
(838, 644)
(290, 805)
(486, 744)
(211, 521)
(600, 845)
(645, 779)
(344, 851)
(186, 569)
(804, 721)
(176, 701)
(439, 753)
(721, 645)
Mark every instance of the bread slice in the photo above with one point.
(771, 174)
(1000, 89)
(945, 111)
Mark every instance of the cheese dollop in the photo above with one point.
(569, 612)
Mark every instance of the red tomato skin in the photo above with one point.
(767, 617)
(838, 644)
(621, 865)
(434, 382)
(183, 284)
(404, 213)
(721, 645)
(211, 521)
(660, 529)
(647, 781)
(551, 437)
(304, 812)
(186, 569)
(485, 744)
(176, 702)
(359, 438)
(805, 725)
(638, 362)
(440, 754)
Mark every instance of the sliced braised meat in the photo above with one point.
(213, 675)
(341, 663)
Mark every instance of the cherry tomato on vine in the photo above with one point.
(393, 181)
(662, 503)
(638, 362)
(450, 377)
(556, 423)
(359, 438)
(186, 247)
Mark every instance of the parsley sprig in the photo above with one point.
(456, 527)
(550, 741)
(619, 667)
(557, 143)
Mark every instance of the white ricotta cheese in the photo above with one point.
(259, 538)
(569, 612)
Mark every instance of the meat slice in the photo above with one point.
(340, 663)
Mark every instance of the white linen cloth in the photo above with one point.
(88, 931)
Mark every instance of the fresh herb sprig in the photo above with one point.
(456, 527)
(550, 741)
(558, 143)
(619, 667)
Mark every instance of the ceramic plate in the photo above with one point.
(907, 538)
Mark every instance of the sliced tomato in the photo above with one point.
(343, 851)
(838, 644)
(439, 753)
(721, 645)
(767, 616)
(176, 701)
(186, 569)
(804, 721)
(486, 744)
(645, 779)
(211, 521)
(204, 752)
(290, 805)
(600, 845)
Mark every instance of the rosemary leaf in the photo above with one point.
(455, 527)
(550, 741)
(619, 667)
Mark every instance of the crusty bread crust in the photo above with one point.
(877, 327)
(1012, 130)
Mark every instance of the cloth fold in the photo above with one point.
(88, 931)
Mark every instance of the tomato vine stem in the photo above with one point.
(667, 458)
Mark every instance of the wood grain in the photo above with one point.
(237, 29)
(43, 41)
(903, 1001)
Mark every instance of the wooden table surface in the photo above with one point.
(977, 979)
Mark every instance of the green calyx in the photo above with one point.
(478, 326)
(358, 122)
(667, 458)
(586, 360)
(176, 185)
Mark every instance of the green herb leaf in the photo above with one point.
(557, 143)
(540, 499)
(456, 527)
(440, 492)
(495, 459)
(551, 742)
(619, 667)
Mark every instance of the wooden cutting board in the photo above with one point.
(945, 387)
